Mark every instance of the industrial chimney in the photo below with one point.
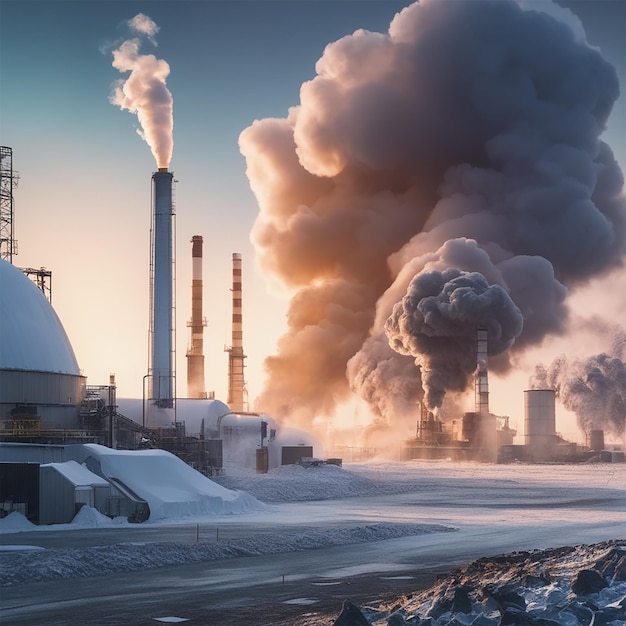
(161, 376)
(487, 439)
(195, 352)
(481, 394)
(236, 357)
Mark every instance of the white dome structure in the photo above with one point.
(40, 382)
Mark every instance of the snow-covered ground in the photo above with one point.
(444, 512)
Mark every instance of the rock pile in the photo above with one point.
(568, 586)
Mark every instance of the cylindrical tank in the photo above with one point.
(595, 440)
(41, 385)
(540, 422)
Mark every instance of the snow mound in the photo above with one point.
(296, 483)
(14, 523)
(88, 517)
(172, 489)
(60, 563)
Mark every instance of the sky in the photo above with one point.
(82, 208)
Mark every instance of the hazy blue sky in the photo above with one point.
(83, 202)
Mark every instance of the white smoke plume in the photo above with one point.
(144, 92)
(463, 143)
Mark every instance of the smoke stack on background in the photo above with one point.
(145, 94)
(462, 145)
(481, 378)
(195, 354)
(162, 390)
(236, 356)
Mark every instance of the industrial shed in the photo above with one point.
(65, 488)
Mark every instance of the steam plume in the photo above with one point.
(144, 92)
(460, 148)
(594, 389)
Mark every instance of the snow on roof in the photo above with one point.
(31, 335)
(171, 488)
(77, 474)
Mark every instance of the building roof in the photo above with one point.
(77, 474)
(31, 334)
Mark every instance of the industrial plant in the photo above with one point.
(49, 414)
(48, 410)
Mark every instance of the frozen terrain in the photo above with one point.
(324, 534)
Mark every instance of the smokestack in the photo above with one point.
(195, 352)
(487, 439)
(161, 368)
(482, 380)
(236, 383)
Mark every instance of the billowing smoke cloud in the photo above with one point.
(144, 92)
(436, 322)
(594, 389)
(461, 146)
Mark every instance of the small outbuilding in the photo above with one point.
(65, 488)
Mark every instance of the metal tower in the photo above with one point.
(8, 182)
(8, 245)
(42, 278)
(236, 356)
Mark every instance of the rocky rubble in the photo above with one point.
(581, 585)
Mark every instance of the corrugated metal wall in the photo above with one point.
(57, 503)
(28, 387)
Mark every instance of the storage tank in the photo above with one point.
(540, 423)
(595, 440)
(41, 386)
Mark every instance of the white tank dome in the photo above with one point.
(31, 334)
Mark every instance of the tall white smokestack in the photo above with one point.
(236, 356)
(161, 375)
(195, 354)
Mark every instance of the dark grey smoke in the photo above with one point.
(436, 323)
(594, 389)
(466, 137)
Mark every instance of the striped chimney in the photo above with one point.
(195, 351)
(236, 356)
(481, 395)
